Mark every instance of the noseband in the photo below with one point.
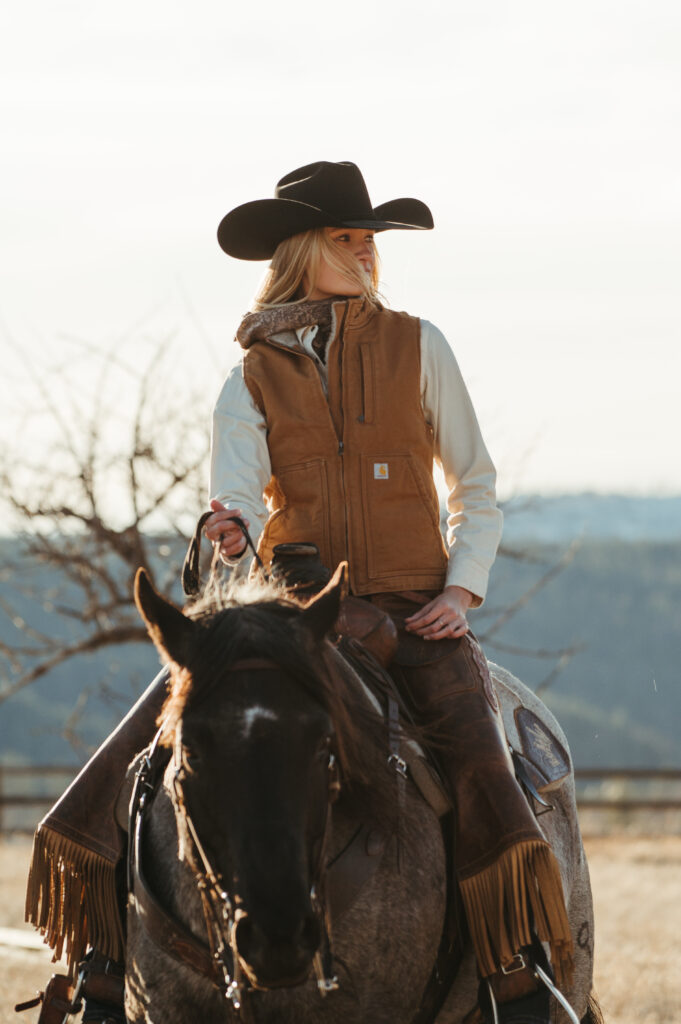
(224, 967)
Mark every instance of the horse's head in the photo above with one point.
(253, 722)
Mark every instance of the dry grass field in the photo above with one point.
(637, 892)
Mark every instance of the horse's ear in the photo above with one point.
(171, 631)
(322, 612)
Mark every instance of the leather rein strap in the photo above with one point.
(191, 575)
(169, 934)
(218, 907)
(164, 930)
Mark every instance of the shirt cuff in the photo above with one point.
(471, 577)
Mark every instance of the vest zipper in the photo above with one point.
(341, 443)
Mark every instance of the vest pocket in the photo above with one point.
(300, 513)
(401, 515)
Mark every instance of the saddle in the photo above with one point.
(367, 639)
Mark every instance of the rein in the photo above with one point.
(218, 959)
(191, 574)
(218, 907)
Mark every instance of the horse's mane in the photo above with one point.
(253, 619)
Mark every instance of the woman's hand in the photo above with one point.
(221, 530)
(443, 618)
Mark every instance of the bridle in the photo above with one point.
(218, 904)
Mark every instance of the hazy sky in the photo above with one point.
(545, 137)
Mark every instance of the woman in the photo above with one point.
(326, 432)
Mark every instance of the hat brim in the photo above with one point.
(254, 230)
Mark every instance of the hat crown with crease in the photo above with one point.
(338, 188)
(322, 194)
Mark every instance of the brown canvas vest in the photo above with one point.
(352, 472)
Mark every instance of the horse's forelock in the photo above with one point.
(240, 593)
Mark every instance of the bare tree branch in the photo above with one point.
(550, 679)
(115, 486)
(110, 638)
(521, 555)
(109, 479)
(535, 652)
(525, 598)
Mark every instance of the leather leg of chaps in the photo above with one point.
(72, 894)
(508, 877)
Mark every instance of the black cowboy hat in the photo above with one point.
(316, 196)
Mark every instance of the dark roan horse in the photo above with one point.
(276, 762)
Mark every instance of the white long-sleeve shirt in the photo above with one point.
(240, 460)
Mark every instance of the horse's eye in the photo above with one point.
(190, 760)
(323, 746)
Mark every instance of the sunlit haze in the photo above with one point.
(544, 137)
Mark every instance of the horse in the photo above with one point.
(276, 762)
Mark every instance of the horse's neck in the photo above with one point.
(371, 797)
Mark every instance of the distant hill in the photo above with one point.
(619, 699)
(592, 517)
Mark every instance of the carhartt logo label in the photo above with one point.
(380, 470)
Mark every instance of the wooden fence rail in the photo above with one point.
(27, 791)
(629, 789)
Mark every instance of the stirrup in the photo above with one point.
(541, 975)
(61, 999)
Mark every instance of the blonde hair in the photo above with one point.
(303, 253)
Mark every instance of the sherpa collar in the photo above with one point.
(265, 323)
